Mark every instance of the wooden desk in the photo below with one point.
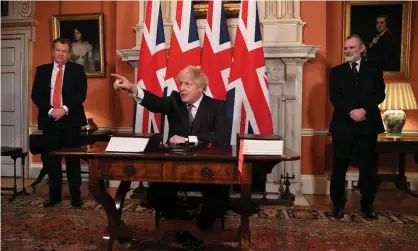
(213, 165)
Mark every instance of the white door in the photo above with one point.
(11, 100)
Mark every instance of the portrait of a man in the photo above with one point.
(384, 49)
(85, 33)
(385, 29)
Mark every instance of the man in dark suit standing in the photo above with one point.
(383, 49)
(356, 89)
(192, 116)
(59, 90)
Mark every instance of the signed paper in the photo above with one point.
(127, 144)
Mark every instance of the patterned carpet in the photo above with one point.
(26, 225)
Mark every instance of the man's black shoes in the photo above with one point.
(369, 213)
(338, 213)
(51, 203)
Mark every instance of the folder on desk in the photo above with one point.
(133, 142)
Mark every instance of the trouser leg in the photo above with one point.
(72, 139)
(368, 179)
(342, 145)
(52, 164)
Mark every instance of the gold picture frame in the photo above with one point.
(231, 9)
(86, 33)
(360, 17)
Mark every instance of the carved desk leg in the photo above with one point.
(244, 230)
(246, 207)
(124, 233)
(115, 227)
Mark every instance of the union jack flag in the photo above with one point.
(184, 48)
(184, 44)
(216, 52)
(248, 102)
(152, 67)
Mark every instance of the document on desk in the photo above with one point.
(263, 147)
(127, 144)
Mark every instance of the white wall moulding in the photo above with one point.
(306, 132)
(319, 184)
(314, 132)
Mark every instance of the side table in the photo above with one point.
(401, 147)
(15, 153)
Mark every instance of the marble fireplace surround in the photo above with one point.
(285, 55)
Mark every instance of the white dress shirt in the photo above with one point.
(196, 106)
(53, 79)
(140, 96)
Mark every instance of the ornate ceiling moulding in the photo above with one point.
(22, 23)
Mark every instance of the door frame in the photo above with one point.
(24, 34)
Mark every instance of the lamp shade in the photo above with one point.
(399, 96)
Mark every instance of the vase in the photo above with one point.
(90, 127)
(394, 121)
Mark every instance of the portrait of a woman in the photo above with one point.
(82, 52)
(86, 34)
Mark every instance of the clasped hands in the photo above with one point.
(358, 115)
(57, 113)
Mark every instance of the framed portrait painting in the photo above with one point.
(385, 27)
(86, 34)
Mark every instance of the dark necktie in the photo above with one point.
(354, 69)
(189, 109)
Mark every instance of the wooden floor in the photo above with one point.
(386, 200)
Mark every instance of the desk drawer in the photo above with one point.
(202, 171)
(131, 170)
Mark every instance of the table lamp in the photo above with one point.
(399, 97)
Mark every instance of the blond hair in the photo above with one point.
(196, 74)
